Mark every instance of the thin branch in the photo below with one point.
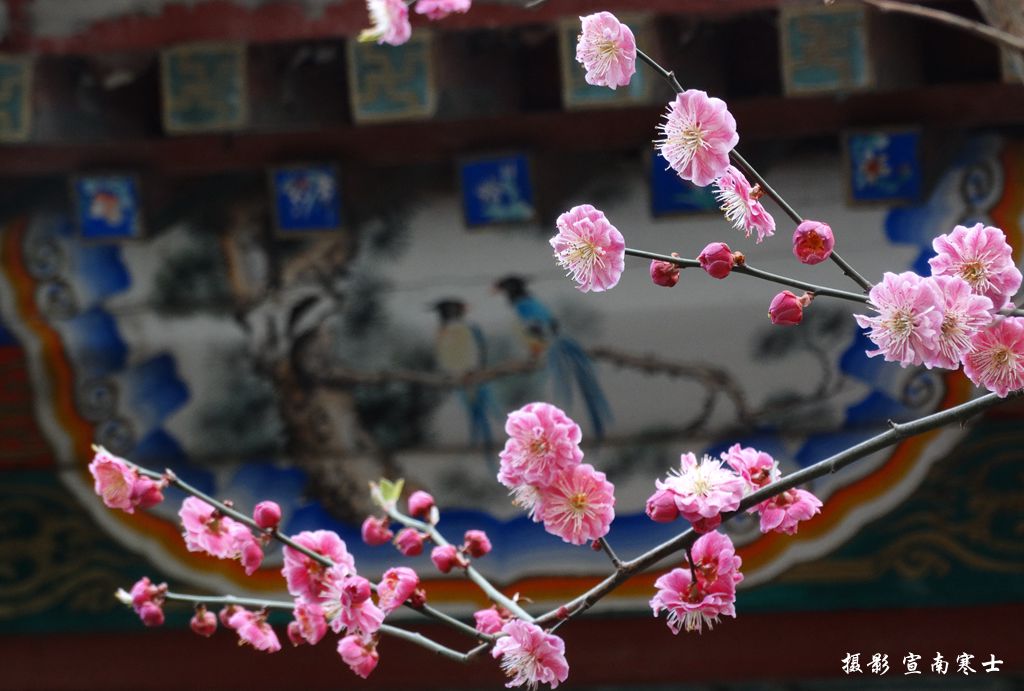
(989, 33)
(602, 542)
(829, 465)
(749, 270)
(424, 642)
(231, 600)
(481, 582)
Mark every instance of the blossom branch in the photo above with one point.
(685, 540)
(757, 273)
(227, 510)
(481, 582)
(602, 542)
(743, 165)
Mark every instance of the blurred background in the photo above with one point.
(236, 243)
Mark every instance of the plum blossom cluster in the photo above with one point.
(951, 318)
(701, 491)
(704, 589)
(319, 572)
(389, 19)
(542, 467)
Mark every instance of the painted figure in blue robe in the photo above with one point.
(460, 348)
(567, 362)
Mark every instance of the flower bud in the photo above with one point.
(203, 622)
(418, 598)
(295, 633)
(357, 589)
(151, 614)
(717, 259)
(226, 613)
(661, 507)
(420, 503)
(409, 542)
(446, 557)
(787, 309)
(477, 544)
(375, 531)
(813, 242)
(267, 515)
(251, 556)
(665, 273)
(146, 493)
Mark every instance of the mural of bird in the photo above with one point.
(460, 347)
(567, 362)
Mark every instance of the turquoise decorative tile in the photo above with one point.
(204, 88)
(392, 82)
(15, 98)
(824, 49)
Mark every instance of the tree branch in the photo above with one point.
(989, 33)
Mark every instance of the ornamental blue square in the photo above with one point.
(204, 87)
(306, 199)
(670, 194)
(497, 190)
(883, 166)
(108, 207)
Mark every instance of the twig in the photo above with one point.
(481, 582)
(230, 600)
(749, 270)
(989, 33)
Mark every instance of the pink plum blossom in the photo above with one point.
(787, 309)
(120, 486)
(151, 614)
(579, 505)
(390, 22)
(488, 620)
(359, 653)
(543, 442)
(250, 552)
(663, 273)
(420, 503)
(963, 313)
(347, 604)
(409, 542)
(813, 242)
(476, 543)
(395, 587)
(225, 614)
(267, 515)
(607, 50)
(530, 656)
(783, 512)
(757, 468)
(252, 628)
(691, 605)
(703, 490)
(305, 576)
(446, 558)
(715, 562)
(697, 136)
(981, 256)
(589, 248)
(717, 259)
(203, 622)
(996, 357)
(309, 624)
(740, 204)
(375, 531)
(207, 530)
(439, 9)
(909, 321)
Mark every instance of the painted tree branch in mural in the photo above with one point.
(955, 317)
